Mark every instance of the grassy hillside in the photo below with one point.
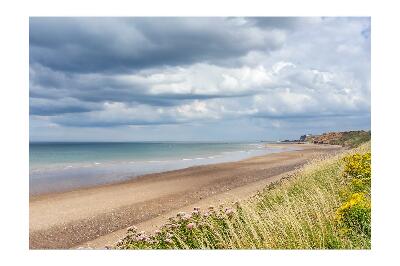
(350, 139)
(353, 139)
(326, 205)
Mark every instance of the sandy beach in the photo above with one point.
(98, 216)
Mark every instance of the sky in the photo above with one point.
(197, 79)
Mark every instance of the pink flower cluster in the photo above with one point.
(191, 226)
(195, 219)
(142, 236)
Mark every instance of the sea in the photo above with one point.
(63, 166)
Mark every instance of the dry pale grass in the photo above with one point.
(296, 213)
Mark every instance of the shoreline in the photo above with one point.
(93, 217)
(62, 178)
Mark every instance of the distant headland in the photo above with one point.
(346, 138)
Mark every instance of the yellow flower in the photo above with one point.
(355, 199)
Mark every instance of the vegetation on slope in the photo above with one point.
(353, 139)
(326, 205)
(350, 139)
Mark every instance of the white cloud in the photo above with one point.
(309, 68)
(283, 89)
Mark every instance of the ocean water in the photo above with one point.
(65, 166)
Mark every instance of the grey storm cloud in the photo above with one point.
(54, 92)
(123, 44)
(116, 72)
(287, 23)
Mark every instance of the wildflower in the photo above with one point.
(156, 232)
(190, 226)
(168, 240)
(132, 228)
(355, 214)
(143, 237)
(206, 214)
(186, 217)
(181, 214)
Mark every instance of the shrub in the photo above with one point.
(354, 215)
(358, 166)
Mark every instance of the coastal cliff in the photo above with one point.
(347, 139)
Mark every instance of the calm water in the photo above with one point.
(65, 166)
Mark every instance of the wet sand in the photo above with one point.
(98, 216)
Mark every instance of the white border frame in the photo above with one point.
(15, 130)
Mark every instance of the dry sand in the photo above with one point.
(98, 216)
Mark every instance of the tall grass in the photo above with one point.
(298, 212)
